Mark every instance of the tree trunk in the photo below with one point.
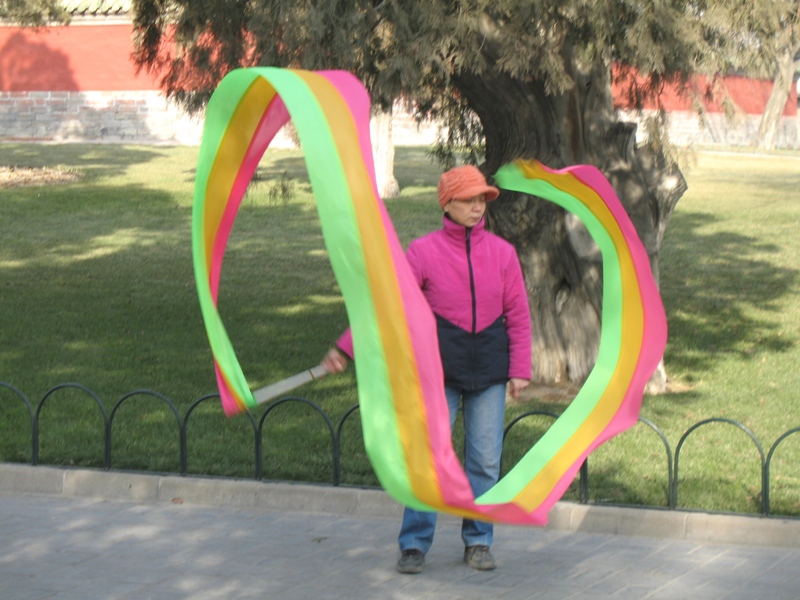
(562, 264)
(383, 152)
(781, 88)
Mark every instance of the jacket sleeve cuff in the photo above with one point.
(345, 343)
(519, 371)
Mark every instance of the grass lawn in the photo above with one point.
(96, 287)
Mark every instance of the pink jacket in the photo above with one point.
(496, 288)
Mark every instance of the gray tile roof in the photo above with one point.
(91, 8)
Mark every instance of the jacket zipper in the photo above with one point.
(471, 281)
(470, 368)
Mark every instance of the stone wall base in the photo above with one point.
(146, 117)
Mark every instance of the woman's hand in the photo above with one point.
(515, 386)
(334, 361)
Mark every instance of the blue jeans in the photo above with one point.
(484, 412)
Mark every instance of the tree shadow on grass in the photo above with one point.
(92, 160)
(712, 283)
(101, 291)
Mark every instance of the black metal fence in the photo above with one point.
(335, 432)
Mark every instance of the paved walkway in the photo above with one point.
(83, 548)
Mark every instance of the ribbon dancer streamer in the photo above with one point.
(400, 385)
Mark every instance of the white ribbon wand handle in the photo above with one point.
(281, 387)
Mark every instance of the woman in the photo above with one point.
(474, 285)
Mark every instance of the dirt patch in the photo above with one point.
(678, 387)
(548, 393)
(26, 176)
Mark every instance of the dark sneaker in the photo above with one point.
(478, 557)
(411, 561)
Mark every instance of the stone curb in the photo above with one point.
(208, 491)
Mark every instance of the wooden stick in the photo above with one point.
(281, 387)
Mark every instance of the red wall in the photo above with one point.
(71, 59)
(98, 58)
(750, 95)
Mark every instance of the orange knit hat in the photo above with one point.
(463, 183)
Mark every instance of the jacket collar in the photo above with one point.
(458, 232)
